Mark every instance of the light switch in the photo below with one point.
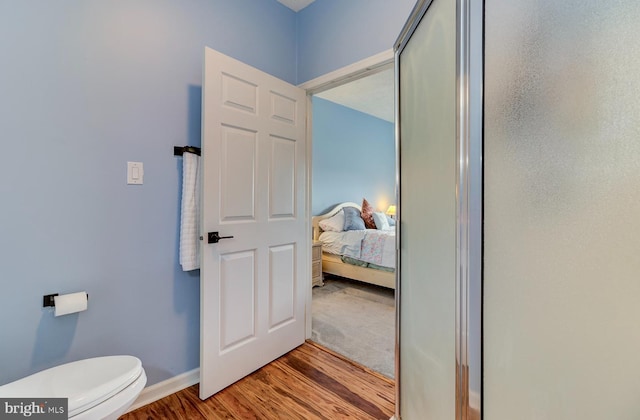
(135, 173)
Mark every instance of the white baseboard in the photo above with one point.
(162, 389)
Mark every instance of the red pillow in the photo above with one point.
(367, 214)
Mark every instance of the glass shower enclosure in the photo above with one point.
(439, 212)
(518, 136)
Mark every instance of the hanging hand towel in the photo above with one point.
(190, 214)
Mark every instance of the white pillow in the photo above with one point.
(381, 221)
(334, 223)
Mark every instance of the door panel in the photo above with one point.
(439, 78)
(283, 108)
(238, 183)
(239, 94)
(253, 285)
(282, 284)
(237, 298)
(562, 200)
(282, 187)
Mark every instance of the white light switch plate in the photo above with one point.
(135, 173)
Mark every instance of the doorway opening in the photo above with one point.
(352, 303)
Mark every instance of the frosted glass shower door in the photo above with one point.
(427, 263)
(562, 210)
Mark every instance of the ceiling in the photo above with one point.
(373, 95)
(296, 5)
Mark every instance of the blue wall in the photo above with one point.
(85, 86)
(353, 157)
(335, 33)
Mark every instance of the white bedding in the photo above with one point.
(372, 246)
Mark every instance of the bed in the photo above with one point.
(334, 263)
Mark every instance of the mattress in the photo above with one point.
(371, 246)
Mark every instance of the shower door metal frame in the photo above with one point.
(469, 135)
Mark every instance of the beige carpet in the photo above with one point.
(356, 320)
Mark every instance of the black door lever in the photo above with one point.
(214, 237)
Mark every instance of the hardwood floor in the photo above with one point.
(310, 382)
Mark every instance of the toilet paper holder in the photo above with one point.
(48, 300)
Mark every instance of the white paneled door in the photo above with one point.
(253, 285)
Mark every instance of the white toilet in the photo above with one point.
(97, 388)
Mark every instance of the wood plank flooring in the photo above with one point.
(310, 382)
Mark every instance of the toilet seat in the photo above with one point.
(86, 383)
(117, 405)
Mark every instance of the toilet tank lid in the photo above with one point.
(86, 383)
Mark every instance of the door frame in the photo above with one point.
(349, 73)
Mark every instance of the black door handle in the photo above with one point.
(214, 237)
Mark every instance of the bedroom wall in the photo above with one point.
(353, 157)
(85, 86)
(335, 33)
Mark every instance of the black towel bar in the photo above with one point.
(179, 150)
